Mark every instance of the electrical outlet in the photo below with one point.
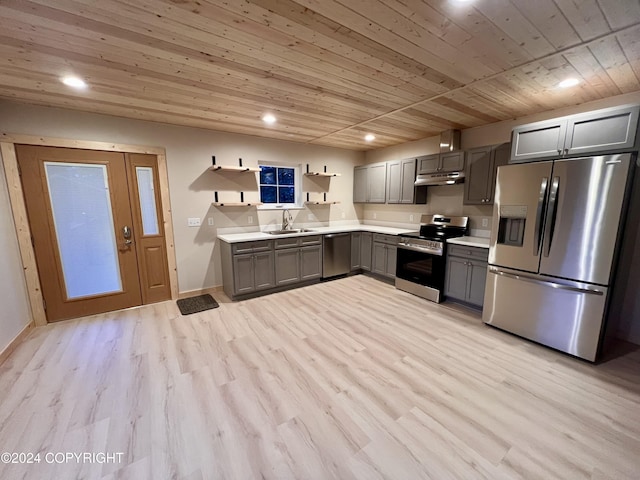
(343, 215)
(485, 222)
(310, 216)
(411, 218)
(375, 215)
(210, 221)
(193, 222)
(250, 219)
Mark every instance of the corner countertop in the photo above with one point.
(252, 236)
(479, 242)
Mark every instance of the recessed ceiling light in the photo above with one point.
(369, 137)
(75, 82)
(269, 119)
(569, 82)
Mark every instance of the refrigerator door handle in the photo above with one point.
(559, 286)
(539, 212)
(553, 210)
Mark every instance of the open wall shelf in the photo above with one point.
(232, 168)
(322, 174)
(236, 204)
(321, 203)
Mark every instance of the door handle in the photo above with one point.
(556, 285)
(126, 233)
(539, 212)
(551, 214)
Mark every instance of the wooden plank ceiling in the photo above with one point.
(330, 70)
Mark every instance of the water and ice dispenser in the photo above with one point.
(511, 224)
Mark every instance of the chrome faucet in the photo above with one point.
(287, 220)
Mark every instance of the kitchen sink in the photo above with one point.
(287, 232)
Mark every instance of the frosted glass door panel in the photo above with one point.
(83, 221)
(147, 196)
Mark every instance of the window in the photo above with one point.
(280, 186)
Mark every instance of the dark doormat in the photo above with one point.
(197, 304)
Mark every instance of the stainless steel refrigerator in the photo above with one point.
(555, 233)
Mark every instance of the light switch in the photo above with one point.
(193, 222)
(210, 220)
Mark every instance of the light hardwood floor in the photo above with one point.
(345, 379)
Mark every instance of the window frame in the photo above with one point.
(297, 186)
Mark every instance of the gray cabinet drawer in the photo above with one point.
(382, 238)
(304, 241)
(250, 247)
(287, 242)
(475, 253)
(310, 240)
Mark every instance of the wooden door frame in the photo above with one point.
(8, 142)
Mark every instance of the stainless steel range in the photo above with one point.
(420, 268)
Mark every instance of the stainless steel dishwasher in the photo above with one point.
(336, 254)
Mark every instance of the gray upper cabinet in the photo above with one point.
(441, 162)
(394, 186)
(360, 184)
(401, 176)
(610, 130)
(452, 161)
(377, 183)
(607, 130)
(370, 183)
(538, 140)
(482, 165)
(429, 163)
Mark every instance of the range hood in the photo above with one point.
(449, 142)
(450, 178)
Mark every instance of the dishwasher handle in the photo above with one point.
(334, 235)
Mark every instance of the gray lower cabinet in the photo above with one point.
(385, 252)
(247, 267)
(296, 263)
(355, 250)
(287, 266)
(310, 263)
(466, 274)
(366, 245)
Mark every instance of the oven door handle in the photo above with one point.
(419, 249)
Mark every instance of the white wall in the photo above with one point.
(189, 152)
(15, 313)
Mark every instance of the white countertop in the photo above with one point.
(470, 241)
(252, 236)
